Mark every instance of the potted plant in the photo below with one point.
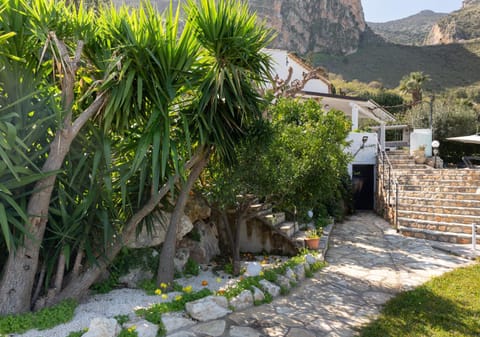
(419, 155)
(312, 238)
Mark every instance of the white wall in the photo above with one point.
(280, 67)
(421, 137)
(365, 156)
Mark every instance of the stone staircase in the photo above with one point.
(433, 204)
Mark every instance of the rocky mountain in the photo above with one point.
(411, 30)
(332, 26)
(459, 26)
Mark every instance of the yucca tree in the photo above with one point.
(232, 65)
(127, 68)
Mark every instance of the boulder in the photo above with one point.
(159, 230)
(175, 321)
(103, 327)
(242, 300)
(290, 274)
(253, 269)
(208, 308)
(258, 295)
(213, 328)
(299, 271)
(205, 245)
(270, 288)
(283, 281)
(197, 208)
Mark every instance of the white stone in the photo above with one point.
(242, 300)
(290, 274)
(258, 295)
(270, 288)
(253, 269)
(310, 259)
(175, 321)
(182, 334)
(239, 331)
(208, 308)
(144, 328)
(283, 281)
(299, 271)
(213, 328)
(103, 327)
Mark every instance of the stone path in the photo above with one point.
(368, 264)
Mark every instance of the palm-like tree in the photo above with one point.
(231, 65)
(413, 84)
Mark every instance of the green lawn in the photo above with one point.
(445, 306)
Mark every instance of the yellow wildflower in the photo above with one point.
(219, 280)
(187, 289)
(163, 285)
(178, 297)
(158, 292)
(164, 296)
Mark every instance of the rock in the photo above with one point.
(103, 327)
(296, 332)
(258, 295)
(175, 321)
(239, 331)
(299, 271)
(253, 269)
(289, 273)
(159, 230)
(283, 282)
(213, 328)
(242, 300)
(181, 258)
(197, 208)
(144, 328)
(310, 259)
(183, 334)
(270, 288)
(134, 277)
(203, 249)
(208, 308)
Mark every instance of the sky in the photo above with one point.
(387, 10)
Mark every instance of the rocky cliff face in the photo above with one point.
(332, 26)
(461, 25)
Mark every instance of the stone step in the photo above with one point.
(437, 235)
(433, 182)
(439, 217)
(439, 173)
(436, 202)
(440, 209)
(438, 195)
(440, 188)
(289, 228)
(275, 218)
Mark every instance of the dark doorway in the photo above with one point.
(363, 186)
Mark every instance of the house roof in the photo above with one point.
(368, 109)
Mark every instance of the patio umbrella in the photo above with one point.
(472, 139)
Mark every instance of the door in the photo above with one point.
(363, 186)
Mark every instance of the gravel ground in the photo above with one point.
(126, 301)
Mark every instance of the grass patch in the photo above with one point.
(448, 305)
(43, 319)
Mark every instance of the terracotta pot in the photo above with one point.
(312, 243)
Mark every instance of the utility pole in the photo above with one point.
(432, 99)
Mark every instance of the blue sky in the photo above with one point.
(387, 10)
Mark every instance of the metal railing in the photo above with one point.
(389, 182)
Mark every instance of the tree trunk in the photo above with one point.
(78, 284)
(241, 222)
(166, 269)
(19, 272)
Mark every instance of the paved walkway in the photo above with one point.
(368, 264)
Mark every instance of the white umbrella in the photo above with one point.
(472, 139)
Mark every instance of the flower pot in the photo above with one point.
(312, 243)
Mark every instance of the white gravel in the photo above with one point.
(126, 301)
